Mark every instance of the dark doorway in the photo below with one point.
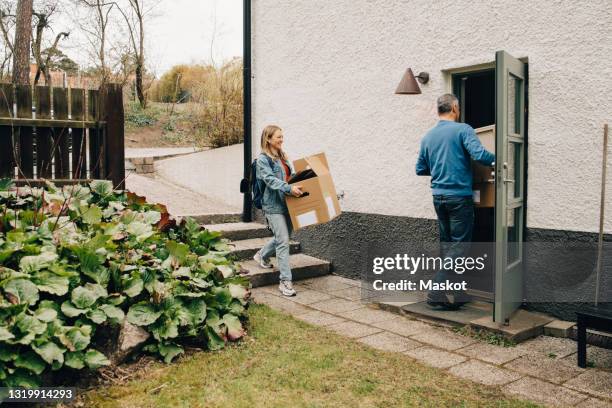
(476, 93)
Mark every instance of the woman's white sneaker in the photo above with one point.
(261, 262)
(286, 288)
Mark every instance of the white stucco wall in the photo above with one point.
(326, 72)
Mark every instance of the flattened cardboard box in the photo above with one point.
(483, 188)
(321, 204)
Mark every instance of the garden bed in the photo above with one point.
(89, 276)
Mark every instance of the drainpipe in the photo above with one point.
(246, 78)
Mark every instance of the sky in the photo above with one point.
(183, 29)
(176, 32)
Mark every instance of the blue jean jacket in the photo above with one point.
(273, 200)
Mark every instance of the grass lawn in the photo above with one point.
(288, 363)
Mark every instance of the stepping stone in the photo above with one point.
(483, 373)
(434, 357)
(302, 267)
(549, 346)
(367, 315)
(318, 318)
(353, 330)
(390, 342)
(403, 326)
(214, 218)
(331, 283)
(594, 382)
(307, 296)
(444, 339)
(491, 353)
(246, 248)
(594, 403)
(549, 369)
(545, 393)
(336, 305)
(240, 230)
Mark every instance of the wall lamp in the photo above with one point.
(409, 86)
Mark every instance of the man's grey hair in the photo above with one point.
(446, 102)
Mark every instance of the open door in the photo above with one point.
(510, 91)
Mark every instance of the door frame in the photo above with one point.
(449, 75)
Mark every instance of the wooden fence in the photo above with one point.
(61, 134)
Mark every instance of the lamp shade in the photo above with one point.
(408, 85)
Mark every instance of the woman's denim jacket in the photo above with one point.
(273, 200)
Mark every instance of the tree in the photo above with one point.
(21, 45)
(7, 24)
(134, 17)
(96, 33)
(43, 61)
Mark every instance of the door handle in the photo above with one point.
(508, 181)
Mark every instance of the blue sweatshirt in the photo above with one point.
(445, 156)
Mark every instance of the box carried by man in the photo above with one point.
(483, 188)
(319, 203)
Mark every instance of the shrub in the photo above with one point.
(136, 116)
(79, 259)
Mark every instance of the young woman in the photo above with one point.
(275, 169)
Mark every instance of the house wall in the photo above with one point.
(326, 72)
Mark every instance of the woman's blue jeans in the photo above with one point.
(281, 227)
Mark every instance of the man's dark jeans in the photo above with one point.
(455, 223)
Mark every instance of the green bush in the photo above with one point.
(81, 259)
(136, 117)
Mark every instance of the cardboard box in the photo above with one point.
(320, 203)
(483, 187)
(482, 174)
(484, 195)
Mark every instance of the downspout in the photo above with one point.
(245, 187)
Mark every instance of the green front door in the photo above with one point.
(510, 184)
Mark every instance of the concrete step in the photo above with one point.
(246, 248)
(215, 218)
(237, 231)
(302, 267)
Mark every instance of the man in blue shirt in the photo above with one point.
(445, 155)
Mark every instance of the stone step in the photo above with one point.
(246, 248)
(302, 267)
(237, 231)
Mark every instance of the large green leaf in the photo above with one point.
(97, 316)
(94, 359)
(30, 361)
(22, 378)
(35, 263)
(169, 351)
(8, 353)
(101, 187)
(213, 340)
(70, 310)
(193, 312)
(225, 270)
(238, 291)
(91, 214)
(51, 283)
(85, 296)
(165, 328)
(178, 250)
(114, 313)
(5, 334)
(75, 339)
(45, 314)
(23, 290)
(50, 352)
(133, 286)
(75, 359)
(234, 327)
(142, 314)
(141, 230)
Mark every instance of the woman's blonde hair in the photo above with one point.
(266, 135)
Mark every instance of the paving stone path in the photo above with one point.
(542, 369)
